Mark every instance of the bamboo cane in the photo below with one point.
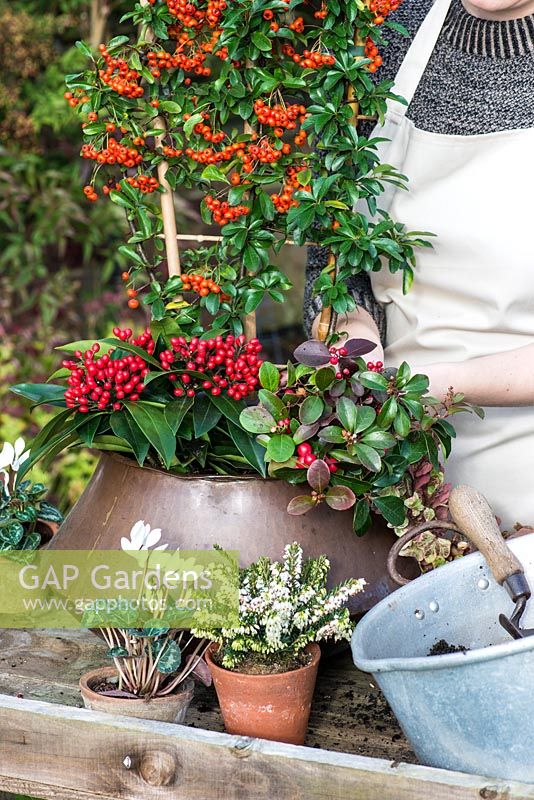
(249, 323)
(327, 318)
(167, 198)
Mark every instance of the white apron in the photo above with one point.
(473, 294)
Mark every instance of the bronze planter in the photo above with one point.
(245, 514)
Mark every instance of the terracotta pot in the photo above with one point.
(47, 530)
(275, 707)
(245, 514)
(171, 708)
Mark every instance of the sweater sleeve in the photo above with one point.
(410, 14)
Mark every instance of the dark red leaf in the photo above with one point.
(312, 353)
(318, 475)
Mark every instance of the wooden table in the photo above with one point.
(50, 747)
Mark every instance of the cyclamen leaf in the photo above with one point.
(318, 475)
(340, 498)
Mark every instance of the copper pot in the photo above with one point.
(245, 514)
(275, 707)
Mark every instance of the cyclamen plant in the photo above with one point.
(22, 504)
(228, 97)
(283, 606)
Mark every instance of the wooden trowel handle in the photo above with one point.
(473, 515)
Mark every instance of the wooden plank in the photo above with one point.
(61, 753)
(349, 713)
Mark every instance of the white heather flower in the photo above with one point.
(143, 537)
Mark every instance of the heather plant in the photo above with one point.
(284, 606)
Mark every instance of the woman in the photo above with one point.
(466, 141)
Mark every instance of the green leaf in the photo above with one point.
(414, 448)
(262, 41)
(170, 658)
(324, 377)
(205, 415)
(391, 508)
(387, 413)
(273, 404)
(381, 440)
(269, 376)
(257, 420)
(373, 380)
(249, 448)
(175, 412)
(332, 433)
(368, 457)
(88, 431)
(311, 410)
(84, 49)
(348, 413)
(366, 417)
(402, 423)
(362, 517)
(41, 392)
(151, 420)
(280, 448)
(124, 426)
(230, 409)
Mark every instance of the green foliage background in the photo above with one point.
(57, 252)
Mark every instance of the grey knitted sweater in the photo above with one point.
(478, 80)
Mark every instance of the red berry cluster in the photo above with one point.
(145, 183)
(231, 364)
(375, 366)
(118, 75)
(100, 384)
(283, 202)
(205, 130)
(306, 457)
(177, 60)
(193, 17)
(144, 340)
(382, 8)
(74, 100)
(263, 152)
(279, 117)
(114, 153)
(371, 51)
(309, 59)
(223, 212)
(89, 192)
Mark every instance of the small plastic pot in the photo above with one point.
(275, 707)
(170, 708)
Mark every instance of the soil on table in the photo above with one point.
(442, 648)
(276, 665)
